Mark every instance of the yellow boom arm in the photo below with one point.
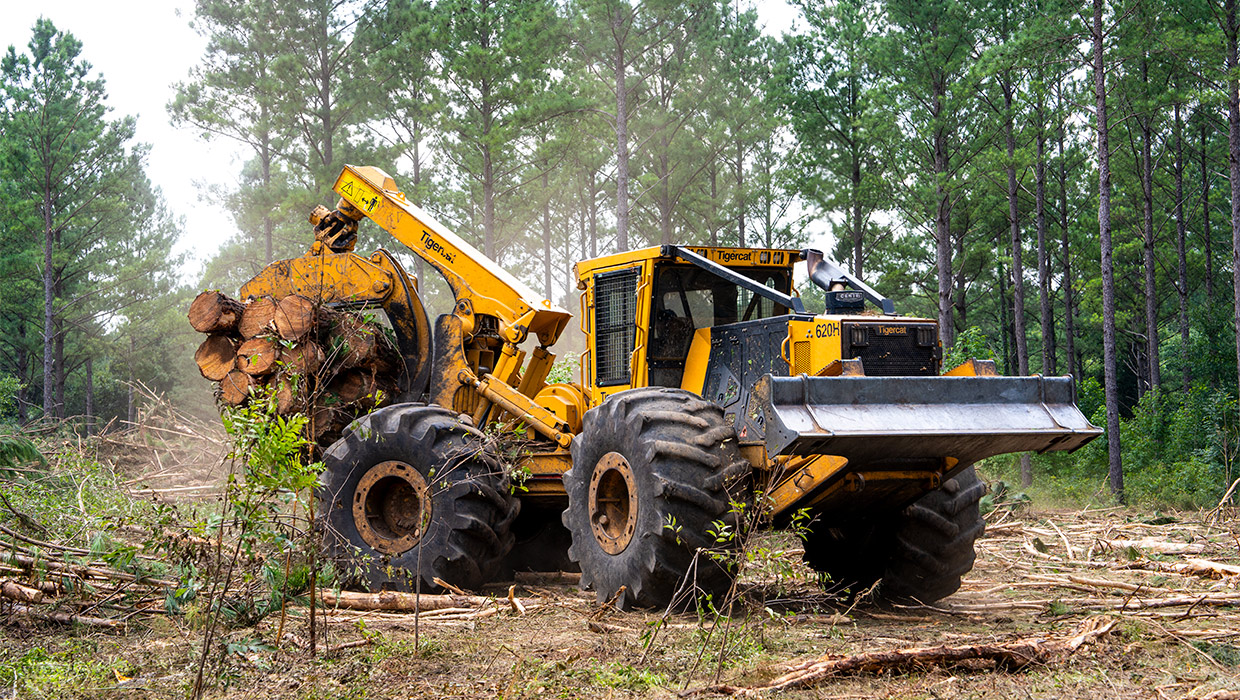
(479, 284)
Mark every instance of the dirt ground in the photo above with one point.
(1038, 573)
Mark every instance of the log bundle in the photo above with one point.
(328, 364)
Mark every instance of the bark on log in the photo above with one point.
(22, 594)
(258, 317)
(216, 357)
(212, 312)
(257, 356)
(1016, 654)
(403, 602)
(304, 358)
(295, 316)
(28, 563)
(235, 388)
(353, 341)
(288, 393)
(65, 618)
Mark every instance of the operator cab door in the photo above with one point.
(689, 301)
(619, 314)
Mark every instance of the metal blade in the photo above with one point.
(876, 419)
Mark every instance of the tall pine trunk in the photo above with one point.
(1233, 162)
(1018, 268)
(90, 395)
(1180, 245)
(1115, 470)
(1046, 318)
(622, 138)
(1206, 232)
(1147, 232)
(49, 303)
(1069, 301)
(546, 235)
(740, 193)
(942, 224)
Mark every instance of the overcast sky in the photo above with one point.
(141, 49)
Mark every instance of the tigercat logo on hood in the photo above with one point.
(728, 256)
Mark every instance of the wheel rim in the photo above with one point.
(391, 507)
(613, 503)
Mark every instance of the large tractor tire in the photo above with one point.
(654, 473)
(920, 556)
(410, 491)
(934, 541)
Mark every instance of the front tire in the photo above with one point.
(655, 472)
(411, 491)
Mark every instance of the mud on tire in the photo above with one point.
(683, 468)
(430, 501)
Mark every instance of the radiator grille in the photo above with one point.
(800, 357)
(615, 315)
(889, 355)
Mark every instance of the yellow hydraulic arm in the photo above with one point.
(479, 284)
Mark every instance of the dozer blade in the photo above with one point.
(871, 420)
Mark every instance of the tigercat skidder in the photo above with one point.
(708, 392)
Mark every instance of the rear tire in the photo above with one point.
(654, 473)
(933, 544)
(918, 557)
(409, 490)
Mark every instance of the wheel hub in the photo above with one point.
(613, 503)
(391, 507)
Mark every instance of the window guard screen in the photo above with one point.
(615, 325)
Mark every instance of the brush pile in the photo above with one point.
(328, 364)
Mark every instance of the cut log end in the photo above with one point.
(258, 318)
(213, 312)
(235, 388)
(294, 317)
(257, 356)
(216, 357)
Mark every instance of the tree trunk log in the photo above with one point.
(402, 602)
(295, 316)
(257, 356)
(216, 357)
(354, 341)
(212, 312)
(352, 386)
(305, 358)
(258, 317)
(288, 392)
(235, 388)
